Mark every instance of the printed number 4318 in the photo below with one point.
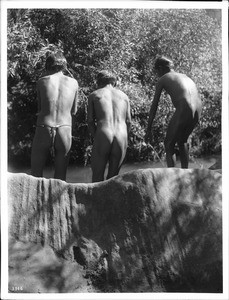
(16, 288)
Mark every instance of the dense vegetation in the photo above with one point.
(125, 41)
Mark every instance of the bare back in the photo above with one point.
(109, 121)
(57, 97)
(182, 91)
(110, 109)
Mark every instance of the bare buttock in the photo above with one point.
(52, 132)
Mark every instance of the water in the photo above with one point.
(79, 174)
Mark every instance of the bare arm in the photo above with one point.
(38, 98)
(75, 103)
(91, 116)
(154, 106)
(128, 116)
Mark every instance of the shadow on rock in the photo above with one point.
(151, 230)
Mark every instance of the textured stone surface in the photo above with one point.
(34, 268)
(149, 230)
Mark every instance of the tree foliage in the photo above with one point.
(125, 41)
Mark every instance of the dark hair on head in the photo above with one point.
(104, 77)
(164, 62)
(55, 61)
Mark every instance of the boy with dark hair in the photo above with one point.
(108, 122)
(55, 62)
(57, 101)
(104, 77)
(186, 100)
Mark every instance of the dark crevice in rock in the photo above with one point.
(78, 256)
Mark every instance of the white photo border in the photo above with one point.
(223, 5)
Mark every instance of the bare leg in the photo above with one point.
(114, 166)
(184, 156)
(170, 140)
(40, 151)
(179, 129)
(63, 142)
(169, 149)
(183, 146)
(100, 155)
(117, 155)
(98, 165)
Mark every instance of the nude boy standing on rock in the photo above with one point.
(109, 122)
(57, 101)
(186, 100)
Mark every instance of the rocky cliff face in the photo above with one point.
(152, 230)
